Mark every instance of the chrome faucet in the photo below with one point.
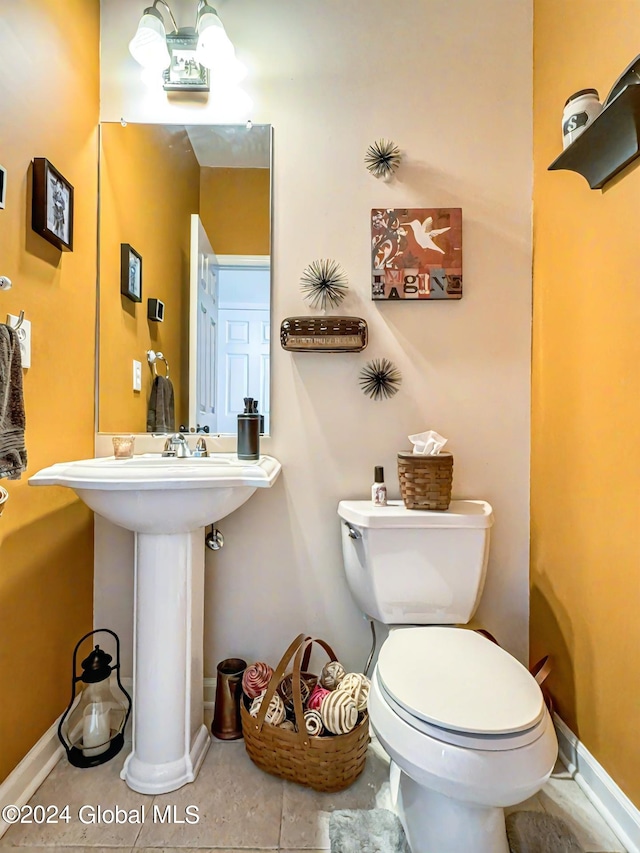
(176, 445)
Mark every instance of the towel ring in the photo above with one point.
(153, 357)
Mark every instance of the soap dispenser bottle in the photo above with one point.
(249, 431)
(379, 490)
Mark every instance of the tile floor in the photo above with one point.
(241, 808)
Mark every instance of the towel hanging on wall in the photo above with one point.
(13, 453)
(160, 414)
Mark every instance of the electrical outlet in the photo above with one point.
(137, 375)
(24, 336)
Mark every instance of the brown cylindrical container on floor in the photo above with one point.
(226, 714)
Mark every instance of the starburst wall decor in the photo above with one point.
(382, 159)
(324, 281)
(380, 379)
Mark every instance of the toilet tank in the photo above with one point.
(416, 567)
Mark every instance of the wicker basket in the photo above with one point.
(425, 481)
(329, 763)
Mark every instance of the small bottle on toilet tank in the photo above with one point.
(379, 490)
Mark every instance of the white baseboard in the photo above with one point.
(613, 804)
(209, 693)
(22, 783)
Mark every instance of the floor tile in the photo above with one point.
(305, 813)
(92, 787)
(243, 809)
(239, 806)
(563, 798)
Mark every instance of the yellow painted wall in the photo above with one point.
(149, 187)
(585, 489)
(235, 208)
(49, 100)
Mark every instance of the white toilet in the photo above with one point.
(463, 721)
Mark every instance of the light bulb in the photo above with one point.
(149, 45)
(214, 49)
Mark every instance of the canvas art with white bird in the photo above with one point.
(416, 253)
(424, 232)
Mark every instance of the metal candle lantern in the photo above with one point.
(92, 728)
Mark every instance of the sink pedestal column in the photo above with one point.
(170, 739)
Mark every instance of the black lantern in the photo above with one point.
(92, 728)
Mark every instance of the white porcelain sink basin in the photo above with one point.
(158, 494)
(166, 501)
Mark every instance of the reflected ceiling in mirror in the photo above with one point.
(185, 221)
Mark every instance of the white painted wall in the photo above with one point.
(450, 82)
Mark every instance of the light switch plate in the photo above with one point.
(137, 375)
(24, 336)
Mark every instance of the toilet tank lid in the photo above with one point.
(456, 679)
(461, 514)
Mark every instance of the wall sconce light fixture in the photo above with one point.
(187, 54)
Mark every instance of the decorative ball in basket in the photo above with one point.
(322, 741)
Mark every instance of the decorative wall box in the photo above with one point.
(608, 144)
(416, 254)
(324, 334)
(155, 310)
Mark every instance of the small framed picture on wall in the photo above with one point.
(130, 273)
(3, 186)
(52, 205)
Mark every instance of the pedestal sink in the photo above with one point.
(166, 502)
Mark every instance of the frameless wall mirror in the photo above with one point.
(191, 205)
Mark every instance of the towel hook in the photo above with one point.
(19, 323)
(153, 357)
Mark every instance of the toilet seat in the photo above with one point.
(460, 688)
(467, 740)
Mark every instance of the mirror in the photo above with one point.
(184, 270)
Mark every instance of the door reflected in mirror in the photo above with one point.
(195, 202)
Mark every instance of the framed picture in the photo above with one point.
(416, 253)
(52, 205)
(3, 186)
(130, 273)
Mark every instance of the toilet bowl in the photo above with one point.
(464, 723)
(461, 749)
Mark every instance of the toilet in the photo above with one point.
(464, 723)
